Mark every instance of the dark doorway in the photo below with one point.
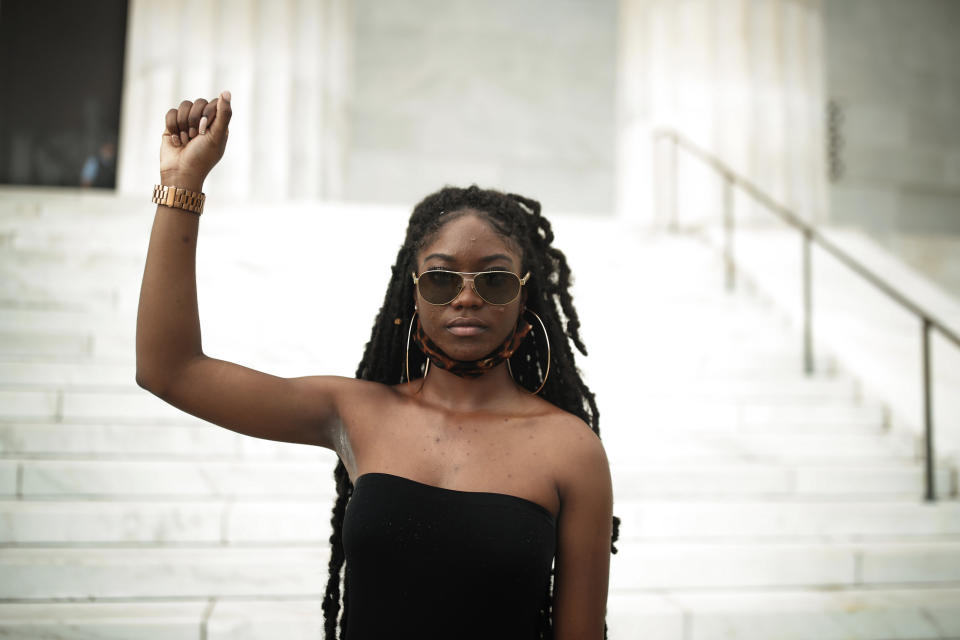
(61, 73)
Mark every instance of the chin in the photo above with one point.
(467, 352)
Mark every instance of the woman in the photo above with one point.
(467, 466)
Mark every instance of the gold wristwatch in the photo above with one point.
(179, 198)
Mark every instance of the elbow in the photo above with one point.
(160, 377)
(151, 377)
(147, 369)
(147, 380)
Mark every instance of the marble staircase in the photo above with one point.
(756, 502)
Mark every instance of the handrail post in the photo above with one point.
(674, 179)
(928, 414)
(807, 304)
(728, 231)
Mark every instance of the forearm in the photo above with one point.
(168, 320)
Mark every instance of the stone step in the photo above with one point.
(99, 479)
(753, 333)
(43, 205)
(923, 612)
(79, 523)
(58, 375)
(166, 523)
(191, 480)
(867, 426)
(799, 414)
(81, 235)
(116, 440)
(780, 482)
(214, 619)
(118, 266)
(784, 565)
(731, 346)
(30, 405)
(824, 521)
(90, 374)
(874, 614)
(97, 298)
(204, 440)
(295, 520)
(66, 277)
(788, 446)
(189, 572)
(109, 263)
(771, 388)
(74, 345)
(201, 440)
(616, 408)
(174, 620)
(58, 273)
(790, 361)
(679, 390)
(729, 350)
(79, 406)
(134, 573)
(138, 406)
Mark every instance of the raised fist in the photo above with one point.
(194, 140)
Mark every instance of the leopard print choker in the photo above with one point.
(471, 368)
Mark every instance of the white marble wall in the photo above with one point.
(516, 96)
(742, 78)
(892, 68)
(286, 63)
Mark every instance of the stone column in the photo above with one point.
(286, 63)
(742, 78)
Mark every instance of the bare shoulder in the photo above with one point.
(364, 404)
(362, 401)
(356, 389)
(576, 451)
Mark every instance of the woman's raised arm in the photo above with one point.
(170, 359)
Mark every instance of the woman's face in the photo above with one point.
(468, 328)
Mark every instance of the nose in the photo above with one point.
(468, 296)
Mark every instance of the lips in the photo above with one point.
(466, 327)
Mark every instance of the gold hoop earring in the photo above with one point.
(546, 373)
(406, 357)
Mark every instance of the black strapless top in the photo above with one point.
(428, 562)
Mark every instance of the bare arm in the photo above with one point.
(583, 542)
(170, 359)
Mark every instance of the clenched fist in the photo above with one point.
(194, 141)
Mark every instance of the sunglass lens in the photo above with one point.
(497, 287)
(440, 287)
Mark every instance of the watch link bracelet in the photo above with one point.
(179, 198)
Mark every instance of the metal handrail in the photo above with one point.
(810, 235)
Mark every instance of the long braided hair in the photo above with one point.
(548, 294)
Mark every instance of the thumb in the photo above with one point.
(169, 141)
(222, 119)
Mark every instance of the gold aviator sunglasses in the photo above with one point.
(439, 286)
